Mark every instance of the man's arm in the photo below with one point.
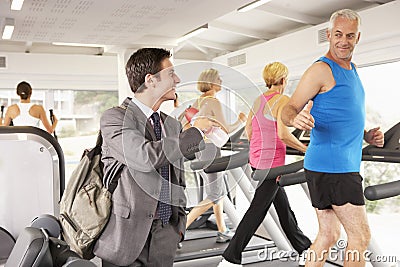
(297, 111)
(126, 141)
(283, 131)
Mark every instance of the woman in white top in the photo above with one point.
(26, 113)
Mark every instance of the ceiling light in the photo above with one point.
(8, 28)
(77, 44)
(16, 4)
(253, 5)
(193, 33)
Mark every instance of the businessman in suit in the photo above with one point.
(148, 217)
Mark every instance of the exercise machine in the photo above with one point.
(390, 153)
(39, 246)
(196, 253)
(32, 179)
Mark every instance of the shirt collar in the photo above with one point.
(145, 109)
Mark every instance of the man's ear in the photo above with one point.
(148, 80)
(328, 34)
(358, 37)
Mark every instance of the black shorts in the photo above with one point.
(327, 189)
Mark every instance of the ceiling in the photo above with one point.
(117, 25)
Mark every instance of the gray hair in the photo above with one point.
(345, 13)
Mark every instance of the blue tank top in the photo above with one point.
(336, 140)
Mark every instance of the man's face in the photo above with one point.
(343, 38)
(166, 81)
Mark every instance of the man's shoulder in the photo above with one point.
(114, 113)
(319, 69)
(115, 110)
(320, 64)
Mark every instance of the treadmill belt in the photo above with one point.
(207, 247)
(215, 260)
(198, 248)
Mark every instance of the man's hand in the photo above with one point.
(202, 123)
(304, 120)
(374, 137)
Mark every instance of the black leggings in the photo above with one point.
(265, 194)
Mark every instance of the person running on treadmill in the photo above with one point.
(26, 113)
(268, 138)
(330, 101)
(209, 83)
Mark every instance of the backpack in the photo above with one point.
(86, 203)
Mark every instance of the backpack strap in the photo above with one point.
(99, 140)
(112, 175)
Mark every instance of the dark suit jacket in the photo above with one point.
(128, 137)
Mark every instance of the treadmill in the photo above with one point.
(390, 153)
(32, 176)
(199, 247)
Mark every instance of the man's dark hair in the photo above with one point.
(24, 90)
(144, 61)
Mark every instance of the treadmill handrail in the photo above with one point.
(229, 162)
(382, 191)
(45, 135)
(240, 159)
(273, 173)
(292, 179)
(376, 151)
(223, 163)
(376, 158)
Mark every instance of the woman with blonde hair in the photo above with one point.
(26, 113)
(209, 83)
(268, 138)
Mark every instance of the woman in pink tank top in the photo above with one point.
(266, 148)
(267, 134)
(268, 139)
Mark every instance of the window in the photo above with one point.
(78, 112)
(380, 85)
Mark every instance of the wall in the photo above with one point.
(380, 41)
(51, 71)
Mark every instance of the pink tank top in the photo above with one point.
(266, 149)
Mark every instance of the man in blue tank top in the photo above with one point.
(334, 108)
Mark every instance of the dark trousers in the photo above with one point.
(265, 194)
(159, 250)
